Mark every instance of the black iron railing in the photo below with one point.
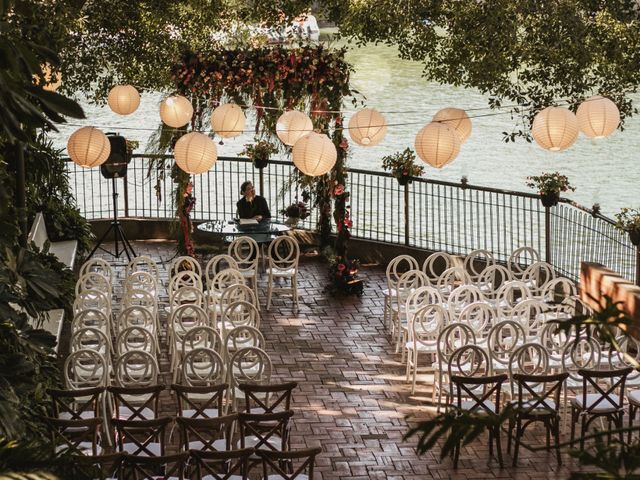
(428, 214)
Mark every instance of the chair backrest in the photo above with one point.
(245, 251)
(234, 293)
(536, 393)
(462, 296)
(202, 337)
(204, 434)
(531, 313)
(147, 467)
(521, 258)
(92, 300)
(218, 263)
(426, 324)
(97, 265)
(136, 403)
(85, 369)
(79, 436)
(137, 316)
(452, 337)
(89, 338)
(608, 385)
(469, 361)
(268, 431)
(537, 275)
(200, 401)
(267, 398)
(580, 354)
(301, 463)
(102, 467)
(558, 289)
(141, 298)
(477, 261)
(142, 437)
(143, 264)
(141, 280)
(436, 264)
(203, 367)
(91, 318)
(408, 282)
(479, 316)
(238, 314)
(228, 465)
(554, 339)
(241, 337)
(250, 365)
(136, 369)
(226, 278)
(509, 295)
(93, 281)
(421, 297)
(397, 267)
(188, 296)
(136, 338)
(184, 264)
(284, 253)
(504, 338)
(450, 279)
(492, 278)
(186, 278)
(76, 404)
(628, 355)
(529, 359)
(479, 391)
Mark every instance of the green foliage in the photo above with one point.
(616, 460)
(547, 183)
(260, 150)
(628, 219)
(402, 164)
(528, 53)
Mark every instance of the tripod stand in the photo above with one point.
(118, 233)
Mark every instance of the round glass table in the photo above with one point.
(262, 232)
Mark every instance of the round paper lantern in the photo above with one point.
(123, 99)
(457, 119)
(228, 120)
(176, 111)
(598, 117)
(88, 147)
(195, 153)
(555, 128)
(314, 154)
(437, 144)
(367, 127)
(292, 126)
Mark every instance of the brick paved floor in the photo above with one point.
(352, 398)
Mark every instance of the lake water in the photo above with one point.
(604, 171)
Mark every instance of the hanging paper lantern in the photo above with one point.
(292, 126)
(88, 147)
(228, 120)
(367, 127)
(555, 128)
(176, 111)
(123, 99)
(437, 144)
(314, 154)
(195, 153)
(457, 119)
(598, 117)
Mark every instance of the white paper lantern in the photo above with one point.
(598, 117)
(555, 128)
(123, 99)
(176, 111)
(228, 120)
(314, 154)
(88, 147)
(367, 127)
(437, 144)
(292, 126)
(457, 119)
(195, 153)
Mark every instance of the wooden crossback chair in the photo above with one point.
(76, 404)
(207, 434)
(267, 398)
(142, 437)
(200, 401)
(79, 436)
(479, 391)
(275, 462)
(169, 467)
(228, 465)
(99, 467)
(136, 403)
(538, 400)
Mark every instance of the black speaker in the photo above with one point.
(116, 164)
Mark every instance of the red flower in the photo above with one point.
(341, 267)
(339, 190)
(344, 144)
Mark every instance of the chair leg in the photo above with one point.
(294, 281)
(255, 290)
(269, 291)
(516, 446)
(556, 435)
(490, 443)
(583, 431)
(632, 415)
(498, 446)
(456, 455)
(573, 424)
(385, 313)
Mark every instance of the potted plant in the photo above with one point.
(549, 186)
(259, 152)
(628, 220)
(402, 166)
(295, 212)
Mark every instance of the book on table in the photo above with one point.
(248, 221)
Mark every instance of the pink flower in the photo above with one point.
(341, 267)
(339, 190)
(344, 144)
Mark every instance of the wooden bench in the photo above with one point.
(64, 250)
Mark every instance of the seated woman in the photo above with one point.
(252, 205)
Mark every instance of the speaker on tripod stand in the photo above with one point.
(115, 167)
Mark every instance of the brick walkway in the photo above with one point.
(352, 398)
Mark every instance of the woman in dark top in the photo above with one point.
(252, 205)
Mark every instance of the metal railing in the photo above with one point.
(428, 214)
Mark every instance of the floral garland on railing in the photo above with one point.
(314, 79)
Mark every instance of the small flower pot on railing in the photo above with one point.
(634, 235)
(404, 180)
(260, 163)
(550, 199)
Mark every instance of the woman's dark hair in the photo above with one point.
(244, 186)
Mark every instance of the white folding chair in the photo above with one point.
(94, 281)
(92, 300)
(396, 267)
(142, 299)
(480, 317)
(90, 338)
(492, 278)
(238, 314)
(537, 275)
(407, 284)
(136, 338)
(136, 368)
(97, 265)
(504, 338)
(528, 359)
(451, 279)
(85, 369)
(246, 252)
(248, 365)
(220, 282)
(216, 264)
(424, 327)
(477, 262)
(462, 296)
(184, 264)
(202, 367)
(143, 263)
(436, 264)
(283, 256)
(141, 280)
(508, 296)
(451, 337)
(242, 337)
(520, 259)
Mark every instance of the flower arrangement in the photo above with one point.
(549, 186)
(628, 220)
(402, 165)
(298, 210)
(343, 275)
(259, 152)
